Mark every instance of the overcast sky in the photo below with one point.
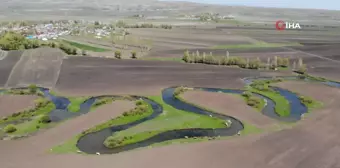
(317, 4)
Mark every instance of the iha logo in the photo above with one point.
(281, 25)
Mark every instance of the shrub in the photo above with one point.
(305, 100)
(133, 55)
(302, 69)
(247, 94)
(139, 102)
(44, 119)
(32, 88)
(118, 54)
(83, 52)
(241, 62)
(253, 101)
(112, 142)
(186, 56)
(10, 128)
(179, 90)
(254, 64)
(40, 102)
(208, 59)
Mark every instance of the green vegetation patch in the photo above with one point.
(253, 101)
(85, 46)
(171, 119)
(42, 106)
(282, 107)
(75, 103)
(38, 118)
(310, 103)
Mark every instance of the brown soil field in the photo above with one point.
(7, 64)
(10, 104)
(228, 104)
(39, 66)
(90, 75)
(193, 35)
(125, 52)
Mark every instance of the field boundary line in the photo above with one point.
(13, 69)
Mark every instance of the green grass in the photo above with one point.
(309, 102)
(31, 126)
(283, 68)
(85, 46)
(27, 113)
(162, 59)
(282, 107)
(172, 119)
(255, 45)
(75, 103)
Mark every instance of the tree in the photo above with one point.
(268, 63)
(10, 128)
(133, 55)
(274, 63)
(83, 52)
(121, 24)
(32, 88)
(12, 41)
(294, 65)
(300, 63)
(118, 54)
(44, 119)
(186, 56)
(74, 51)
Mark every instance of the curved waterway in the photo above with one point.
(93, 142)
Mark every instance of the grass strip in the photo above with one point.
(85, 46)
(75, 103)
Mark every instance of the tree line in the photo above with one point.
(15, 41)
(257, 63)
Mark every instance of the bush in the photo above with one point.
(32, 88)
(241, 62)
(302, 69)
(254, 64)
(247, 94)
(133, 55)
(83, 52)
(186, 56)
(139, 102)
(253, 101)
(305, 100)
(44, 119)
(118, 54)
(179, 90)
(40, 102)
(10, 128)
(112, 142)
